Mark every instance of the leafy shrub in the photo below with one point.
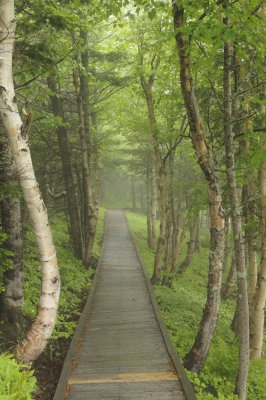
(16, 381)
(76, 280)
(5, 259)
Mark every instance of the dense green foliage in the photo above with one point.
(16, 381)
(181, 307)
(5, 259)
(75, 279)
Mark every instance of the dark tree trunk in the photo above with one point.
(72, 205)
(12, 297)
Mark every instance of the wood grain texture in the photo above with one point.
(119, 350)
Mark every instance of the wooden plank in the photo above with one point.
(119, 351)
(188, 389)
(167, 390)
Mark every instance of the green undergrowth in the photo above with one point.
(181, 307)
(17, 381)
(76, 280)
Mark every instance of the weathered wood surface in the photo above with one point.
(121, 349)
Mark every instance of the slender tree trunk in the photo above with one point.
(163, 222)
(260, 295)
(89, 218)
(179, 243)
(95, 174)
(72, 206)
(191, 246)
(230, 280)
(197, 237)
(13, 295)
(153, 183)
(42, 327)
(167, 252)
(81, 84)
(243, 317)
(258, 317)
(142, 197)
(133, 193)
(252, 244)
(227, 246)
(148, 207)
(161, 168)
(196, 357)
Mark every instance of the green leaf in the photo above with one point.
(152, 14)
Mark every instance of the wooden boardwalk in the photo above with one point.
(121, 349)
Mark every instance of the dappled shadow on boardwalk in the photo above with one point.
(121, 349)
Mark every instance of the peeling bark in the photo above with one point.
(196, 357)
(42, 327)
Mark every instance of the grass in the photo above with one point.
(181, 307)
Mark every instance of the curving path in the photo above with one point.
(121, 349)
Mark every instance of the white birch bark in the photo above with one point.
(42, 327)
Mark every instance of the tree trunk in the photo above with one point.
(167, 279)
(89, 217)
(91, 199)
(243, 317)
(197, 237)
(227, 246)
(196, 358)
(142, 198)
(95, 177)
(75, 227)
(148, 207)
(13, 279)
(230, 281)
(179, 241)
(133, 193)
(260, 295)
(251, 234)
(161, 168)
(163, 222)
(191, 245)
(42, 327)
(153, 182)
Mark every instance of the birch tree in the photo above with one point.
(196, 357)
(17, 132)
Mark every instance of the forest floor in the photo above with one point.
(75, 285)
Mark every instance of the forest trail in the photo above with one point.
(121, 349)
